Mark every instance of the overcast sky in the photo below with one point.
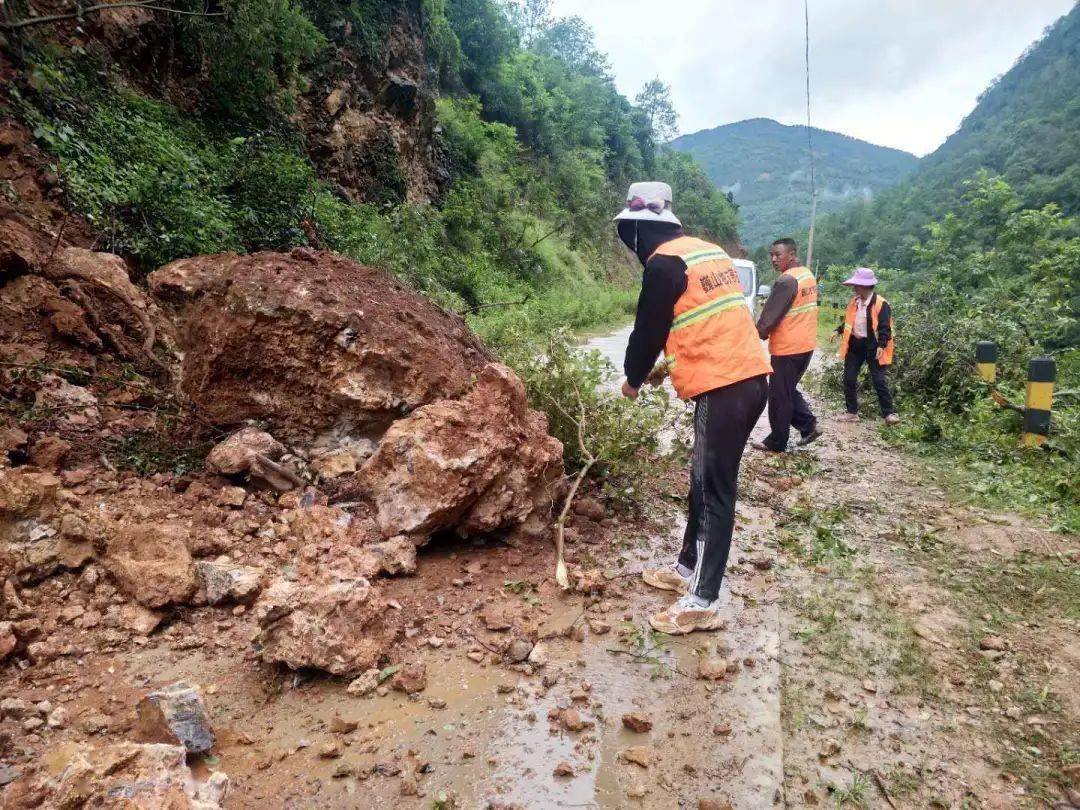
(899, 73)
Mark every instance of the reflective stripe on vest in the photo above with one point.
(796, 333)
(713, 341)
(874, 316)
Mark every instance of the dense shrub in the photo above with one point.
(254, 54)
(991, 270)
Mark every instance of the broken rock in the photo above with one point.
(636, 721)
(712, 668)
(137, 619)
(151, 563)
(176, 715)
(642, 755)
(235, 455)
(365, 683)
(518, 650)
(326, 622)
(477, 465)
(8, 640)
(411, 678)
(225, 582)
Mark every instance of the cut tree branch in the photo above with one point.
(548, 235)
(78, 13)
(479, 307)
(561, 575)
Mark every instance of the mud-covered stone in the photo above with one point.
(151, 562)
(410, 679)
(326, 621)
(8, 640)
(135, 618)
(235, 455)
(50, 453)
(175, 715)
(135, 776)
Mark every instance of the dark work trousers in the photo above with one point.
(723, 420)
(787, 407)
(860, 350)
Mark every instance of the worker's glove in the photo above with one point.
(657, 375)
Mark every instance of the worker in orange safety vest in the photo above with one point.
(866, 336)
(789, 321)
(692, 306)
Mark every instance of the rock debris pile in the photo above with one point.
(332, 422)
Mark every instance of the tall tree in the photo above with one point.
(529, 17)
(571, 40)
(655, 100)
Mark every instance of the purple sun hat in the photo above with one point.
(863, 277)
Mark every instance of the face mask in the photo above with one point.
(629, 237)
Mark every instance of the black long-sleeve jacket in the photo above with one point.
(662, 283)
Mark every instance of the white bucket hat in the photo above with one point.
(649, 202)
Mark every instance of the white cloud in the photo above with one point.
(900, 73)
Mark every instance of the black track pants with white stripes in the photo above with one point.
(723, 420)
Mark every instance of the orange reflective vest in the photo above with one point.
(797, 331)
(873, 315)
(713, 341)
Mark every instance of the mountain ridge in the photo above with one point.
(1025, 128)
(763, 164)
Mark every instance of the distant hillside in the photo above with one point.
(1025, 127)
(764, 165)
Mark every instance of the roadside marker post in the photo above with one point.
(986, 356)
(1040, 396)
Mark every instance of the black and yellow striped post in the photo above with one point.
(1040, 396)
(986, 355)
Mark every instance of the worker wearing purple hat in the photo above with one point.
(866, 336)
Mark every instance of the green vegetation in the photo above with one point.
(990, 270)
(764, 165)
(577, 389)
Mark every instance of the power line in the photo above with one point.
(810, 144)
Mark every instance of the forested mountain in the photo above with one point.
(764, 165)
(1025, 128)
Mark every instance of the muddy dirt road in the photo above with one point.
(885, 646)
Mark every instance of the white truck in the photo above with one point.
(748, 278)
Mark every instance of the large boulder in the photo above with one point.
(325, 621)
(396, 402)
(129, 775)
(306, 342)
(477, 464)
